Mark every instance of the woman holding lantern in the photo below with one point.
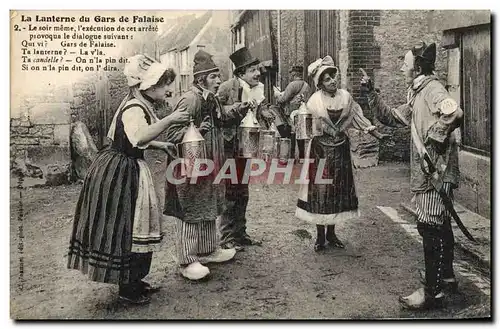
(117, 221)
(326, 203)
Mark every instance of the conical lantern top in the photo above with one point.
(192, 134)
(249, 121)
(303, 109)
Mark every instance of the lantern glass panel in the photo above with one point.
(249, 142)
(191, 152)
(268, 144)
(304, 126)
(317, 127)
(284, 149)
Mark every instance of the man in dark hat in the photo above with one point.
(196, 206)
(296, 92)
(433, 116)
(238, 95)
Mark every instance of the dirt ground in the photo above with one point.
(282, 279)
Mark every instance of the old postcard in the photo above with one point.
(250, 164)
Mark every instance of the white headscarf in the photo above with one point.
(319, 66)
(141, 72)
(144, 71)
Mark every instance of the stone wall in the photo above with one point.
(40, 144)
(40, 129)
(85, 103)
(374, 46)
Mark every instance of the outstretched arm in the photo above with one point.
(392, 117)
(360, 122)
(188, 105)
(290, 91)
(142, 135)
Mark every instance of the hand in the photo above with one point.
(385, 138)
(326, 121)
(170, 149)
(268, 114)
(179, 116)
(205, 127)
(327, 126)
(365, 80)
(251, 103)
(242, 108)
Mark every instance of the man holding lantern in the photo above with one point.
(195, 206)
(238, 95)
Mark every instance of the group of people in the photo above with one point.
(117, 222)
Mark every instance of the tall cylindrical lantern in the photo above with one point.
(304, 125)
(248, 136)
(192, 147)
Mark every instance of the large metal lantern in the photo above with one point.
(192, 147)
(317, 127)
(248, 136)
(285, 149)
(304, 125)
(277, 138)
(267, 144)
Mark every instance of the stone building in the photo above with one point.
(373, 40)
(178, 45)
(466, 37)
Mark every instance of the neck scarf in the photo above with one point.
(252, 93)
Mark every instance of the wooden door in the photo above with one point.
(476, 86)
(320, 35)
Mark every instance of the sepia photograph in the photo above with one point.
(237, 164)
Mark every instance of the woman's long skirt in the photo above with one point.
(327, 203)
(117, 223)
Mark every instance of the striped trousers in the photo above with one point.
(195, 239)
(430, 207)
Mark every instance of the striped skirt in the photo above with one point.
(430, 208)
(116, 217)
(327, 204)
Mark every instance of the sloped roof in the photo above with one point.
(183, 33)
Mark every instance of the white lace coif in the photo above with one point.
(144, 71)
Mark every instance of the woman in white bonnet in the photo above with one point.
(326, 204)
(117, 222)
